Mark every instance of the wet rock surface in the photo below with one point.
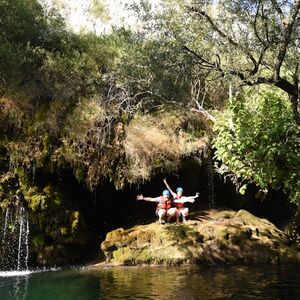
(211, 236)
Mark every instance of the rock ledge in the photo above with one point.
(209, 237)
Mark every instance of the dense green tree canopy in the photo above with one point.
(243, 42)
(74, 100)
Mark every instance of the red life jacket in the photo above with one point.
(163, 204)
(178, 205)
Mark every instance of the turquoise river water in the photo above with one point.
(162, 283)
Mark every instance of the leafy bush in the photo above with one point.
(258, 141)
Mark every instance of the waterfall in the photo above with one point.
(6, 213)
(210, 183)
(15, 238)
(23, 247)
(5, 226)
(33, 173)
(21, 225)
(20, 243)
(27, 242)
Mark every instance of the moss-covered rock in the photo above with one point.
(208, 237)
(58, 230)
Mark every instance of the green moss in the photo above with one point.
(128, 256)
(132, 256)
(221, 233)
(38, 241)
(74, 220)
(144, 237)
(53, 218)
(213, 240)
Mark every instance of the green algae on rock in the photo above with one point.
(209, 237)
(59, 232)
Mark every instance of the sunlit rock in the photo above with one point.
(212, 236)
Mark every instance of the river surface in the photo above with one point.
(205, 282)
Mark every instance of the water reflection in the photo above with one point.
(14, 288)
(59, 285)
(159, 283)
(258, 282)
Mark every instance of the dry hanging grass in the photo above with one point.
(154, 144)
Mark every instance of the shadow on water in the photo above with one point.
(205, 282)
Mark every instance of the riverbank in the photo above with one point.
(209, 237)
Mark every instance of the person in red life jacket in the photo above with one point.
(179, 200)
(164, 207)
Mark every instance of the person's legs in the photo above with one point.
(171, 213)
(184, 213)
(177, 215)
(161, 214)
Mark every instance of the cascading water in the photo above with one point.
(27, 242)
(6, 213)
(33, 173)
(210, 184)
(15, 238)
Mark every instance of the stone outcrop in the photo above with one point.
(208, 237)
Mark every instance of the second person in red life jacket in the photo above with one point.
(164, 207)
(179, 200)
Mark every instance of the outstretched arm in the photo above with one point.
(169, 188)
(194, 197)
(184, 199)
(151, 199)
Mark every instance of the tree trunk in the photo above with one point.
(294, 101)
(295, 97)
(292, 89)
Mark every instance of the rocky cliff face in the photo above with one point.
(208, 237)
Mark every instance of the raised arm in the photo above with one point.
(169, 188)
(150, 199)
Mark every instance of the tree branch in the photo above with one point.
(202, 111)
(286, 40)
(282, 44)
(202, 13)
(278, 9)
(202, 60)
(255, 24)
(217, 66)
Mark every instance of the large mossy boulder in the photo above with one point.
(208, 237)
